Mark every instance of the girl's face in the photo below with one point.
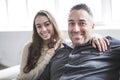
(44, 28)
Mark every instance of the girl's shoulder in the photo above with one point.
(27, 44)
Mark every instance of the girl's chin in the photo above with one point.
(47, 38)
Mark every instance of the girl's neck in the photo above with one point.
(45, 46)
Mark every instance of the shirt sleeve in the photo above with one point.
(37, 71)
(46, 74)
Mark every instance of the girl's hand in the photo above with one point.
(99, 42)
(51, 51)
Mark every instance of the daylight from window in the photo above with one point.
(17, 15)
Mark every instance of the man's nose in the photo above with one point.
(76, 28)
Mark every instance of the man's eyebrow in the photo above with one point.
(70, 20)
(81, 20)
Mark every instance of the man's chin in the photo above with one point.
(79, 41)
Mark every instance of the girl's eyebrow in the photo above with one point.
(46, 21)
(43, 23)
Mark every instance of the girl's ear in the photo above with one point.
(93, 25)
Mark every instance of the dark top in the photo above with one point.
(84, 63)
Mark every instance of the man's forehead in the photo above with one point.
(78, 14)
(77, 20)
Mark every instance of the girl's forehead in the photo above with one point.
(41, 19)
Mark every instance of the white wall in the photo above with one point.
(11, 43)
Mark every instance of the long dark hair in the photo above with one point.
(37, 42)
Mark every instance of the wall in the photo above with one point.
(11, 43)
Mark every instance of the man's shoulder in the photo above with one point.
(114, 43)
(113, 40)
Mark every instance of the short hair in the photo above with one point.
(83, 7)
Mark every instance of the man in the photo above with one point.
(80, 61)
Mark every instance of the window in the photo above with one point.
(36, 5)
(3, 14)
(18, 14)
(115, 12)
(105, 12)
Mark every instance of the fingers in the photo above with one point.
(103, 44)
(106, 40)
(100, 43)
(97, 44)
(51, 51)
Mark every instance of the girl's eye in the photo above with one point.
(38, 26)
(46, 24)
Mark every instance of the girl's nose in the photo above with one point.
(43, 28)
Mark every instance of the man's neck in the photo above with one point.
(74, 45)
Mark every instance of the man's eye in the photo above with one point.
(82, 23)
(71, 24)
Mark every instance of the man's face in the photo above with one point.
(80, 26)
